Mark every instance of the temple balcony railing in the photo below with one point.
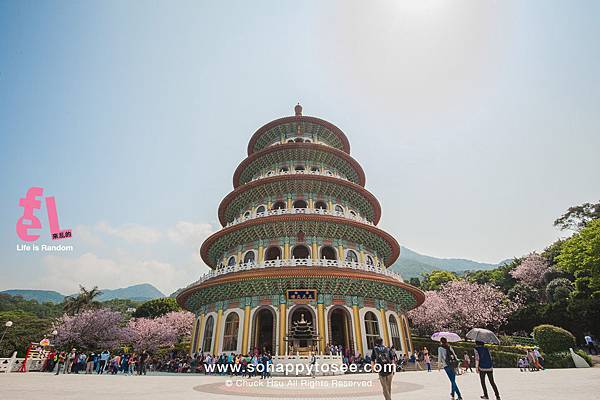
(300, 172)
(298, 262)
(295, 211)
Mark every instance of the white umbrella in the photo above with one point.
(450, 336)
(483, 335)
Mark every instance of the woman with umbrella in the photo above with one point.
(484, 364)
(447, 359)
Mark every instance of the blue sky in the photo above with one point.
(476, 122)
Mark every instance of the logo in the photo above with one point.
(28, 221)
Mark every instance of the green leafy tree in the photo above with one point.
(26, 328)
(85, 300)
(436, 279)
(580, 256)
(559, 289)
(577, 217)
(416, 282)
(156, 308)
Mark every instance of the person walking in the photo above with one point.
(382, 356)
(466, 364)
(60, 361)
(589, 342)
(484, 367)
(449, 362)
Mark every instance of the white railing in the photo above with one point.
(297, 262)
(290, 211)
(305, 172)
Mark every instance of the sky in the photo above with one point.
(476, 122)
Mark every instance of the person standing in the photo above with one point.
(60, 361)
(484, 367)
(449, 362)
(466, 364)
(427, 359)
(382, 356)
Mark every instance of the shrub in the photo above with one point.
(553, 339)
(558, 360)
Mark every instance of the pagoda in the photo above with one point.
(299, 242)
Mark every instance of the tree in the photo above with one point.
(84, 300)
(531, 270)
(460, 305)
(559, 289)
(156, 308)
(577, 217)
(435, 279)
(91, 330)
(416, 282)
(580, 256)
(150, 334)
(525, 293)
(26, 328)
(181, 321)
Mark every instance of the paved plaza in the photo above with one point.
(570, 384)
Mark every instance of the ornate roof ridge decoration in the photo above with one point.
(280, 276)
(298, 177)
(391, 251)
(290, 146)
(298, 119)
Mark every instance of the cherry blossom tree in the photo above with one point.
(460, 305)
(181, 321)
(150, 334)
(90, 329)
(531, 270)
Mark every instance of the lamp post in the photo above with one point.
(8, 324)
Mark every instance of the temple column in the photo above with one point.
(215, 349)
(357, 330)
(289, 203)
(403, 335)
(314, 249)
(286, 249)
(261, 252)
(246, 330)
(341, 257)
(321, 321)
(195, 335)
(199, 342)
(282, 325)
(386, 334)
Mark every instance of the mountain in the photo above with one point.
(41, 296)
(142, 292)
(412, 264)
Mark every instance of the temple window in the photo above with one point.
(321, 205)
(328, 253)
(230, 333)
(231, 261)
(279, 205)
(272, 253)
(371, 329)
(300, 251)
(351, 256)
(249, 257)
(300, 204)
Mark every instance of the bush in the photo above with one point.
(553, 339)
(585, 356)
(558, 360)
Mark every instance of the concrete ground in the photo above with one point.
(570, 384)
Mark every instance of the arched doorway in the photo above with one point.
(230, 333)
(279, 205)
(301, 251)
(296, 314)
(300, 204)
(340, 328)
(272, 253)
(264, 330)
(395, 334)
(320, 205)
(328, 253)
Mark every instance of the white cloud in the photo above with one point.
(65, 274)
(185, 232)
(133, 233)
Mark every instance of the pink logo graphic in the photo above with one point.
(31, 203)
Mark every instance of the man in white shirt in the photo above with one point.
(590, 344)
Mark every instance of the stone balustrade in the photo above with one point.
(292, 211)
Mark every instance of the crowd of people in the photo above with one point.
(101, 362)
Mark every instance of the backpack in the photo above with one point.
(451, 359)
(382, 356)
